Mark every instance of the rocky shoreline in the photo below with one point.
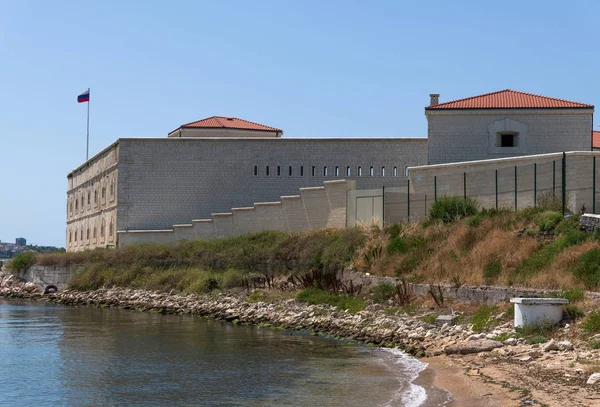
(547, 369)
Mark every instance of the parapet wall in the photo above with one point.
(314, 208)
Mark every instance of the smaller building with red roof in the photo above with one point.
(506, 123)
(220, 126)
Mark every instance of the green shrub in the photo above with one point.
(341, 302)
(397, 245)
(22, 261)
(536, 333)
(548, 220)
(492, 270)
(394, 230)
(482, 319)
(573, 295)
(502, 337)
(592, 323)
(594, 344)
(450, 209)
(587, 268)
(383, 291)
(429, 319)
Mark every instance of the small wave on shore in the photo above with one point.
(408, 370)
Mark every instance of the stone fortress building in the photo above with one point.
(212, 165)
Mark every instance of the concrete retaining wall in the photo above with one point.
(315, 208)
(43, 276)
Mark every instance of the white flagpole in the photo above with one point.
(87, 145)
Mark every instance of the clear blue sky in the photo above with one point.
(312, 68)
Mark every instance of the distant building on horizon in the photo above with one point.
(21, 241)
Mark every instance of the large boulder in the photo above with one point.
(482, 345)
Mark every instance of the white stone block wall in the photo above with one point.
(163, 182)
(314, 208)
(464, 135)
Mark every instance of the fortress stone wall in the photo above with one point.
(154, 184)
(92, 202)
(467, 135)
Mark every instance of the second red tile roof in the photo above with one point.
(509, 99)
(596, 139)
(216, 122)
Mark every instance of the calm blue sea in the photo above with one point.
(53, 355)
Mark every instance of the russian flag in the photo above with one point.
(84, 97)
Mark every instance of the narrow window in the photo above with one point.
(371, 172)
(268, 171)
(395, 172)
(301, 171)
(383, 171)
(89, 200)
(347, 171)
(103, 192)
(87, 234)
(70, 236)
(110, 229)
(290, 171)
(76, 204)
(406, 171)
(96, 196)
(337, 171)
(325, 171)
(102, 229)
(112, 189)
(255, 170)
(278, 171)
(360, 171)
(94, 234)
(314, 171)
(75, 235)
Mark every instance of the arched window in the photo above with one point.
(76, 204)
(110, 228)
(94, 233)
(102, 228)
(75, 235)
(95, 196)
(70, 236)
(89, 200)
(87, 234)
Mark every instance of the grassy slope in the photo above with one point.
(530, 247)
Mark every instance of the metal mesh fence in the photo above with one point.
(509, 183)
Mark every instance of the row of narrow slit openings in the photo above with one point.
(325, 172)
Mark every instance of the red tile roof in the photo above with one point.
(509, 99)
(218, 122)
(595, 139)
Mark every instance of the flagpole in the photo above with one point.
(87, 145)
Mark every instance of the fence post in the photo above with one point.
(534, 184)
(496, 189)
(594, 186)
(408, 198)
(515, 187)
(553, 178)
(383, 205)
(435, 188)
(465, 185)
(564, 182)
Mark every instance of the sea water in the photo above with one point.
(52, 355)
